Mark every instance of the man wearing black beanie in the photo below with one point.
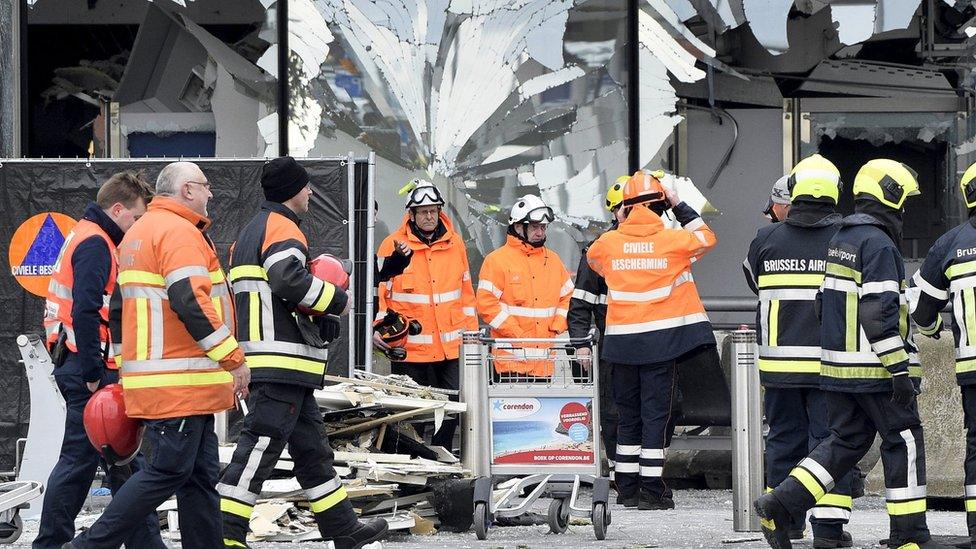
(273, 288)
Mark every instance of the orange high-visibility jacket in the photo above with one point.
(178, 346)
(654, 313)
(524, 292)
(435, 289)
(57, 308)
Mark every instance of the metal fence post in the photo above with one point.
(474, 436)
(747, 441)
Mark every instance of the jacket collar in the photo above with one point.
(280, 208)
(406, 234)
(524, 247)
(98, 216)
(641, 222)
(809, 214)
(167, 204)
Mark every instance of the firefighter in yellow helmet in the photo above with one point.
(869, 366)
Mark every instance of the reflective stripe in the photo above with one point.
(328, 292)
(899, 508)
(314, 290)
(218, 308)
(869, 288)
(959, 284)
(298, 349)
(808, 482)
(145, 292)
(237, 493)
(646, 471)
(236, 508)
(253, 316)
(773, 338)
(242, 286)
(893, 358)
(960, 269)
(970, 491)
(911, 492)
(840, 285)
(450, 336)
(970, 506)
(420, 299)
(182, 273)
(562, 312)
(530, 312)
(652, 453)
(224, 349)
(380, 315)
(447, 296)
(789, 351)
(628, 450)
(583, 295)
(818, 471)
(654, 325)
(694, 224)
(830, 512)
(176, 380)
(141, 277)
(253, 462)
(488, 286)
(836, 500)
(928, 288)
(843, 272)
(247, 271)
(167, 365)
(789, 366)
(324, 489)
(863, 372)
(422, 339)
(155, 328)
(791, 280)
(567, 288)
(789, 294)
(468, 311)
(649, 295)
(283, 255)
(888, 344)
(499, 319)
(911, 454)
(214, 338)
(624, 467)
(851, 323)
(233, 543)
(219, 290)
(315, 367)
(142, 329)
(59, 290)
(328, 501)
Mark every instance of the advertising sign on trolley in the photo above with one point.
(545, 430)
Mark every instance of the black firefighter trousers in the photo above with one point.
(854, 419)
(282, 414)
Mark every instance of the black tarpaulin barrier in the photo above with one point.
(31, 187)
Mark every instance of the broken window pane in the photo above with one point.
(185, 77)
(491, 100)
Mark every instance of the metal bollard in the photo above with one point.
(474, 391)
(747, 440)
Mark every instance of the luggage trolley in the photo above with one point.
(540, 430)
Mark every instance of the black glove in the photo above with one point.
(329, 327)
(903, 390)
(395, 264)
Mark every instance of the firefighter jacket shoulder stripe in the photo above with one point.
(652, 299)
(865, 332)
(435, 289)
(78, 305)
(270, 278)
(524, 292)
(785, 267)
(589, 302)
(949, 274)
(177, 317)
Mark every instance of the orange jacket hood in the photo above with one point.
(164, 203)
(641, 222)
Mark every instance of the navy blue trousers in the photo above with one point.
(181, 458)
(72, 477)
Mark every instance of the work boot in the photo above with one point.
(627, 501)
(648, 502)
(363, 533)
(845, 540)
(775, 521)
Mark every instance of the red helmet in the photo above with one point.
(331, 269)
(393, 330)
(115, 435)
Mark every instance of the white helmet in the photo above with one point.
(531, 209)
(422, 193)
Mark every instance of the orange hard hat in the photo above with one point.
(394, 329)
(644, 188)
(114, 434)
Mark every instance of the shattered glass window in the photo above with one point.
(140, 78)
(490, 99)
(939, 146)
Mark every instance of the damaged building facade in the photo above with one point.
(493, 99)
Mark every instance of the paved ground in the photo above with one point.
(702, 519)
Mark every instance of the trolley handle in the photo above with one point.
(588, 340)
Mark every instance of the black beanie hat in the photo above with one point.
(282, 178)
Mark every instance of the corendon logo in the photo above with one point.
(34, 250)
(514, 408)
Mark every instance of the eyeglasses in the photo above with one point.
(204, 184)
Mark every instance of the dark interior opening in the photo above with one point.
(925, 218)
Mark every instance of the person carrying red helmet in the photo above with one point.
(75, 319)
(275, 293)
(654, 318)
